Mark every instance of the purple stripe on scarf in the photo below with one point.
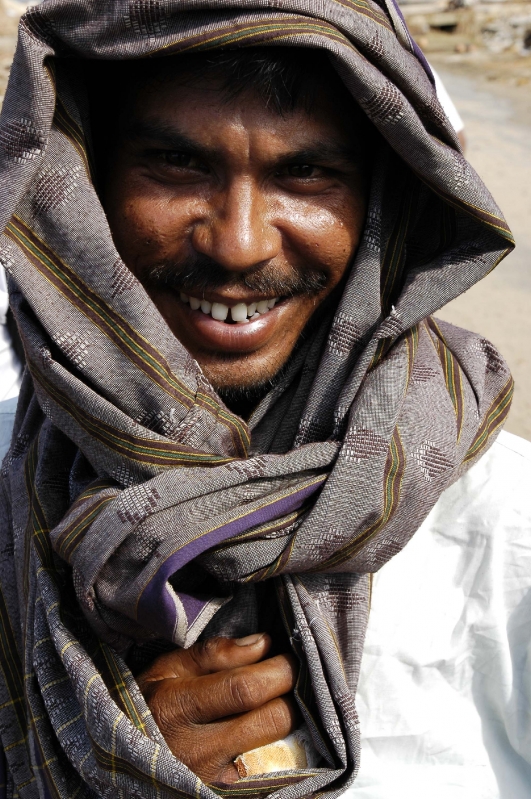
(156, 609)
(423, 60)
(416, 49)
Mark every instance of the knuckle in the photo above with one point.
(165, 721)
(204, 651)
(169, 709)
(184, 707)
(244, 691)
(278, 718)
(159, 711)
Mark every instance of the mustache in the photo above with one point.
(201, 273)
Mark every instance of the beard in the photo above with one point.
(200, 274)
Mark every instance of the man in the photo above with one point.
(222, 225)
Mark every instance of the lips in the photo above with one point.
(241, 312)
(238, 328)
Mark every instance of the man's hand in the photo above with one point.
(214, 701)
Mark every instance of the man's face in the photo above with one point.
(239, 221)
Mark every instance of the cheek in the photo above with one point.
(144, 225)
(328, 235)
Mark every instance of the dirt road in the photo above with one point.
(498, 127)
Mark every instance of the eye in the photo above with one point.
(301, 171)
(182, 160)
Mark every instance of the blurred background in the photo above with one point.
(481, 50)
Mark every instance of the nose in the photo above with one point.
(237, 232)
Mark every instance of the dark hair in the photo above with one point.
(285, 77)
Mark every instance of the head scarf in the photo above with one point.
(136, 508)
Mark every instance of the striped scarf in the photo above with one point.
(137, 511)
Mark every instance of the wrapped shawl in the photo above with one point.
(135, 507)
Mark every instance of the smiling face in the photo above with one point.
(238, 220)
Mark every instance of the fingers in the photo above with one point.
(220, 654)
(269, 723)
(201, 700)
(206, 657)
(212, 748)
(219, 699)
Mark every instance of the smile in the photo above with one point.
(241, 313)
(240, 328)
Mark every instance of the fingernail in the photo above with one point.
(249, 640)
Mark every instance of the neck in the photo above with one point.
(243, 401)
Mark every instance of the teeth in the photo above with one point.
(262, 306)
(240, 313)
(219, 311)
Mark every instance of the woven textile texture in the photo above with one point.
(135, 508)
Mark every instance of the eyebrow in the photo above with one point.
(171, 138)
(167, 136)
(322, 151)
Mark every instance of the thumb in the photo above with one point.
(207, 657)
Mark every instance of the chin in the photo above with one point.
(234, 375)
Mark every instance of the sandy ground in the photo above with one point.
(493, 95)
(496, 110)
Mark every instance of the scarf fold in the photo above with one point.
(136, 508)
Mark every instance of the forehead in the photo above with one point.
(203, 106)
